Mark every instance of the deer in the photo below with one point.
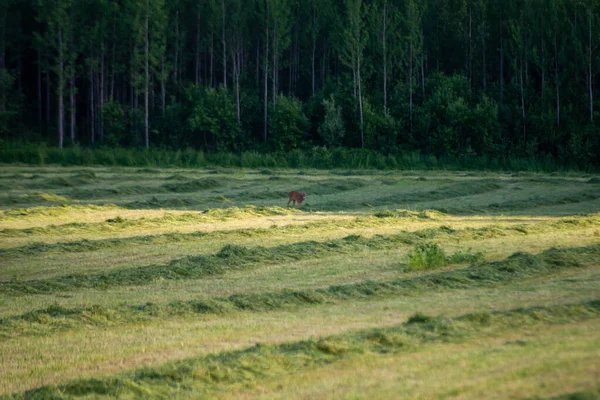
(296, 197)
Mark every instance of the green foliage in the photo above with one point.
(332, 129)
(453, 125)
(430, 256)
(465, 257)
(287, 124)
(215, 119)
(114, 123)
(426, 256)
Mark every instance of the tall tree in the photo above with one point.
(414, 16)
(281, 22)
(57, 17)
(354, 39)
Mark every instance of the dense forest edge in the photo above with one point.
(342, 160)
(306, 83)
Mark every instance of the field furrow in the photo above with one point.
(175, 283)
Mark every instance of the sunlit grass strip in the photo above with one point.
(56, 211)
(379, 219)
(234, 257)
(527, 204)
(200, 375)
(121, 224)
(519, 266)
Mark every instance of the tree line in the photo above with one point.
(445, 77)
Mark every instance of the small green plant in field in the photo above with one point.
(430, 256)
(426, 256)
(465, 257)
(419, 318)
(117, 220)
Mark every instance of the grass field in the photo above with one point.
(184, 283)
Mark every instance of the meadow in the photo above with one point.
(173, 282)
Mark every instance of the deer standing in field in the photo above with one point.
(296, 197)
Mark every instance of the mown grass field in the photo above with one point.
(184, 283)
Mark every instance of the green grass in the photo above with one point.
(483, 274)
(154, 282)
(235, 257)
(203, 375)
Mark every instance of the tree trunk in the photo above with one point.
(112, 68)
(290, 89)
(274, 72)
(39, 86)
(410, 82)
(470, 46)
(314, 50)
(483, 66)
(92, 116)
(236, 73)
(543, 70)
(176, 69)
(163, 89)
(423, 75)
(362, 134)
(266, 94)
(61, 78)
(224, 48)
(101, 86)
(2, 58)
(212, 59)
(198, 47)
(501, 66)
(47, 71)
(523, 101)
(72, 107)
(147, 77)
(384, 60)
(591, 93)
(556, 81)
(257, 62)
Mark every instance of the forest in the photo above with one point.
(489, 78)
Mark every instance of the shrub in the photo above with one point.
(426, 256)
(465, 256)
(216, 119)
(114, 122)
(287, 125)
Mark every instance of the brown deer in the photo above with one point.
(296, 197)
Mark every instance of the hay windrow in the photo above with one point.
(55, 211)
(34, 198)
(517, 267)
(521, 205)
(210, 215)
(200, 376)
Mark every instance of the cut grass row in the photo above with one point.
(520, 205)
(517, 267)
(202, 376)
(69, 188)
(235, 257)
(381, 218)
(121, 224)
(28, 362)
(384, 218)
